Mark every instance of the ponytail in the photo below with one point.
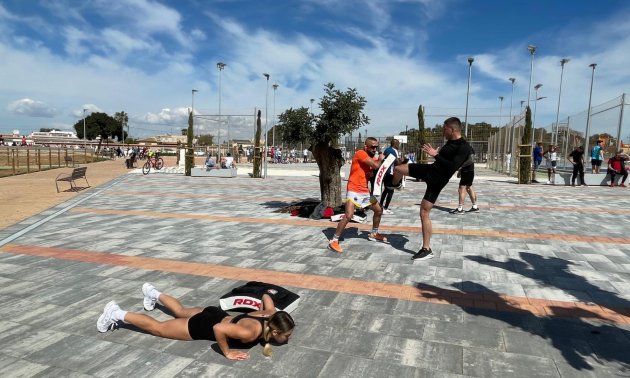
(267, 351)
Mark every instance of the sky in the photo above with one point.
(145, 57)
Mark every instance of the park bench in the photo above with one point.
(77, 173)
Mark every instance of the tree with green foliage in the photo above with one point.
(341, 113)
(256, 172)
(190, 153)
(525, 151)
(123, 119)
(205, 140)
(98, 125)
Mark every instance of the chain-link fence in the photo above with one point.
(607, 123)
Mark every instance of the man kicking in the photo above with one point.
(358, 194)
(448, 160)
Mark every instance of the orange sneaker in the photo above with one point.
(334, 246)
(378, 237)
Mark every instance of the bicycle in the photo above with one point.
(155, 162)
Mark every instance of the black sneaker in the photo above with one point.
(473, 210)
(457, 211)
(423, 254)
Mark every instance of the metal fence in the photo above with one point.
(607, 123)
(20, 160)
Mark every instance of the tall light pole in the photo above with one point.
(500, 122)
(273, 130)
(220, 66)
(192, 109)
(563, 61)
(536, 88)
(470, 62)
(532, 52)
(512, 80)
(588, 114)
(84, 136)
(266, 75)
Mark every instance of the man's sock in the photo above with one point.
(335, 238)
(460, 207)
(119, 315)
(474, 205)
(374, 231)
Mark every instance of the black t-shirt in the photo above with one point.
(450, 158)
(577, 156)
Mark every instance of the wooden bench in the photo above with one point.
(77, 173)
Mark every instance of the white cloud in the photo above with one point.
(32, 108)
(89, 109)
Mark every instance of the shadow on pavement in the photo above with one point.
(582, 344)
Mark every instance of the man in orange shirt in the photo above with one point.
(358, 194)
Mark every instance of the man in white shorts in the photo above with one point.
(358, 193)
(551, 157)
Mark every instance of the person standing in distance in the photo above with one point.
(576, 157)
(448, 160)
(466, 174)
(597, 156)
(358, 194)
(538, 151)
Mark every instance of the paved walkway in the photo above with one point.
(537, 284)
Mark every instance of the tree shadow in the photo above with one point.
(583, 344)
(554, 271)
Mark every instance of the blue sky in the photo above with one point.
(145, 57)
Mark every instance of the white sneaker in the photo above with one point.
(388, 212)
(548, 182)
(105, 321)
(148, 301)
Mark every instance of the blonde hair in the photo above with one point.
(280, 322)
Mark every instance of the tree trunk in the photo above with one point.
(329, 161)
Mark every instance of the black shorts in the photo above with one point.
(596, 163)
(466, 178)
(200, 325)
(434, 186)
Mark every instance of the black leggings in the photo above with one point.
(613, 174)
(386, 196)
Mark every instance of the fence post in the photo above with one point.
(49, 157)
(28, 160)
(13, 160)
(17, 157)
(623, 101)
(58, 157)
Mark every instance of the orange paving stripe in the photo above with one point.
(367, 226)
(538, 307)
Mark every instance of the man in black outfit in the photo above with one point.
(576, 157)
(448, 160)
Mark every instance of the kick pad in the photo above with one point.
(249, 297)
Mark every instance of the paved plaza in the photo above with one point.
(537, 284)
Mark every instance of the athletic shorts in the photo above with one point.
(434, 187)
(537, 164)
(360, 200)
(466, 178)
(596, 163)
(200, 325)
(551, 164)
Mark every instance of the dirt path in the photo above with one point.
(25, 195)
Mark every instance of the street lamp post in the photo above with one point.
(220, 66)
(273, 129)
(84, 136)
(266, 75)
(563, 61)
(588, 115)
(512, 80)
(470, 62)
(536, 88)
(532, 52)
(500, 122)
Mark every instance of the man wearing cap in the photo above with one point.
(617, 166)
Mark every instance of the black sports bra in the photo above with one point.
(243, 316)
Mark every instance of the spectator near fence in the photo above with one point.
(538, 155)
(576, 157)
(617, 166)
(597, 155)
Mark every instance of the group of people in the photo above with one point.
(455, 155)
(225, 162)
(615, 166)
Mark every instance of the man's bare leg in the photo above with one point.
(427, 226)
